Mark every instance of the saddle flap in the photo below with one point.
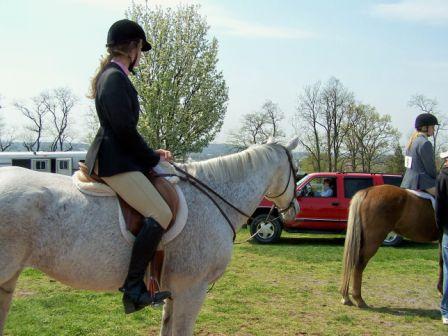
(168, 193)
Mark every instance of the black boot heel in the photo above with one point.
(129, 307)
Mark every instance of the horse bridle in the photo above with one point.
(206, 190)
(292, 172)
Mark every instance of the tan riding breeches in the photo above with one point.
(432, 191)
(139, 193)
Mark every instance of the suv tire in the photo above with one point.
(392, 239)
(269, 233)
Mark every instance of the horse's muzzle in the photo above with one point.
(291, 212)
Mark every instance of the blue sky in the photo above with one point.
(383, 51)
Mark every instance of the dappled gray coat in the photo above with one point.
(422, 173)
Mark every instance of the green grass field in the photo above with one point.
(290, 288)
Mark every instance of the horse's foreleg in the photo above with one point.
(186, 307)
(167, 319)
(6, 292)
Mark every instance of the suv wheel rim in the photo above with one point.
(390, 237)
(266, 230)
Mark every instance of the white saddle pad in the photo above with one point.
(424, 195)
(100, 189)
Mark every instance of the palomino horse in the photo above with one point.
(46, 223)
(374, 212)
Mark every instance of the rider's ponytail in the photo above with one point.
(113, 51)
(413, 137)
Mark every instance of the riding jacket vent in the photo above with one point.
(420, 166)
(442, 200)
(117, 145)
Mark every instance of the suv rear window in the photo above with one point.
(353, 184)
(394, 180)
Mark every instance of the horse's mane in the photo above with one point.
(235, 166)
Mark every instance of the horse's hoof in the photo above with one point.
(362, 305)
(346, 302)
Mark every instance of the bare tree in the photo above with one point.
(6, 138)
(336, 100)
(93, 124)
(424, 104)
(306, 123)
(36, 115)
(321, 114)
(258, 126)
(59, 104)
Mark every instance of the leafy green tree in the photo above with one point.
(183, 94)
(369, 137)
(395, 163)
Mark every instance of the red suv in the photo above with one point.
(324, 200)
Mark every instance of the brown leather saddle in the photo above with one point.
(131, 216)
(134, 219)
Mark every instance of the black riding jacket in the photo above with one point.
(118, 146)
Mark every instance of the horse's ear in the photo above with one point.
(292, 144)
(271, 140)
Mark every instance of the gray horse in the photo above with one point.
(46, 223)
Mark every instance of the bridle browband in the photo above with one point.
(206, 190)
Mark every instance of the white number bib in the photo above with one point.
(408, 161)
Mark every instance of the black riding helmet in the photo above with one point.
(425, 119)
(125, 31)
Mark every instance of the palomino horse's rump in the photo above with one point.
(373, 213)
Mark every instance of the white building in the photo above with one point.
(53, 162)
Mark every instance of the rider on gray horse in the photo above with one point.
(121, 157)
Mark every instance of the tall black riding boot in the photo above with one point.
(136, 296)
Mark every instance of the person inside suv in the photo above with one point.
(328, 190)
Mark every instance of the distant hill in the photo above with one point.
(211, 151)
(215, 150)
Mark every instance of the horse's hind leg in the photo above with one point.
(366, 253)
(6, 292)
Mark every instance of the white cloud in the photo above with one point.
(242, 28)
(427, 11)
(217, 17)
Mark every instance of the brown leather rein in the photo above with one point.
(206, 190)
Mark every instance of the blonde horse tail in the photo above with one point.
(352, 243)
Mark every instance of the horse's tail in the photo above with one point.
(352, 240)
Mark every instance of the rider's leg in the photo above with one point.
(432, 191)
(444, 303)
(138, 192)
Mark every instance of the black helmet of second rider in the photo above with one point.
(425, 119)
